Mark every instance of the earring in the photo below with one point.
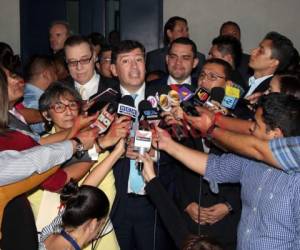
(49, 123)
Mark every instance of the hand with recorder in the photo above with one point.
(119, 127)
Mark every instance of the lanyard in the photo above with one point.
(70, 239)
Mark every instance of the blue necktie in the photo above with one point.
(135, 177)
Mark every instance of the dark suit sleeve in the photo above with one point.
(168, 212)
(231, 193)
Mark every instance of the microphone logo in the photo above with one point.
(127, 110)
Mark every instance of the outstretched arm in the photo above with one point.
(101, 170)
(191, 158)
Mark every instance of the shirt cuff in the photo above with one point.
(209, 176)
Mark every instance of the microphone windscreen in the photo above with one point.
(127, 100)
(144, 105)
(217, 94)
(126, 107)
(112, 107)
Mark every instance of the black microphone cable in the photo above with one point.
(155, 212)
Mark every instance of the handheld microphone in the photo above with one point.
(143, 136)
(105, 118)
(148, 113)
(174, 98)
(203, 98)
(216, 94)
(185, 92)
(232, 95)
(126, 107)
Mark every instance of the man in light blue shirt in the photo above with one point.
(270, 197)
(40, 73)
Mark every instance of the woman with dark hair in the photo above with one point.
(74, 217)
(15, 135)
(60, 105)
(3, 102)
(85, 211)
(18, 211)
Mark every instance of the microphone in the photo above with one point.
(232, 95)
(148, 113)
(105, 118)
(203, 98)
(185, 92)
(216, 94)
(174, 98)
(126, 107)
(143, 135)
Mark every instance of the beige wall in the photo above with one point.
(10, 24)
(255, 17)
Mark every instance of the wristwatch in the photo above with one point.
(79, 148)
(230, 209)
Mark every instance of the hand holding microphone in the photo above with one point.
(203, 121)
(148, 171)
(105, 118)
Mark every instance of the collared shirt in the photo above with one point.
(32, 95)
(287, 153)
(254, 83)
(172, 81)
(270, 198)
(140, 96)
(90, 88)
(17, 165)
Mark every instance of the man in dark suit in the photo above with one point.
(181, 59)
(174, 28)
(81, 60)
(274, 54)
(134, 217)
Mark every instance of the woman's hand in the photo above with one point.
(120, 147)
(148, 169)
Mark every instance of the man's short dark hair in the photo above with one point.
(170, 24)
(289, 83)
(105, 48)
(125, 46)
(36, 65)
(281, 111)
(185, 41)
(229, 45)
(226, 66)
(282, 49)
(77, 40)
(96, 38)
(229, 23)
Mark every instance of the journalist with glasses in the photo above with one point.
(61, 105)
(81, 60)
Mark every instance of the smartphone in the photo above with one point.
(101, 99)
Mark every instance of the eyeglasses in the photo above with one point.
(105, 60)
(84, 61)
(210, 76)
(60, 107)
